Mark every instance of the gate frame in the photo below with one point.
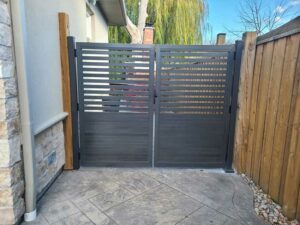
(239, 46)
(228, 165)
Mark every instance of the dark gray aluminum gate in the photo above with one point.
(194, 86)
(190, 96)
(115, 104)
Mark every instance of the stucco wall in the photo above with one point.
(100, 29)
(44, 56)
(45, 74)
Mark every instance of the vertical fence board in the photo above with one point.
(292, 176)
(261, 107)
(253, 108)
(298, 208)
(271, 112)
(282, 118)
(244, 99)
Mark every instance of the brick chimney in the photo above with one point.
(221, 39)
(148, 36)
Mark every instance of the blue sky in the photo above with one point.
(225, 13)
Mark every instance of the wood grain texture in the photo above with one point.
(253, 109)
(298, 208)
(66, 89)
(292, 176)
(271, 152)
(244, 99)
(261, 107)
(271, 112)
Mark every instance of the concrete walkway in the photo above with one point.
(146, 197)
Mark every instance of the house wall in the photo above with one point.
(11, 167)
(45, 76)
(99, 27)
(45, 96)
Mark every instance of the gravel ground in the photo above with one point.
(266, 208)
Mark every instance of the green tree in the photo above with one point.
(175, 21)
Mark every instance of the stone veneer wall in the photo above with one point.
(11, 168)
(50, 155)
(49, 144)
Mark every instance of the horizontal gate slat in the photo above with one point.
(112, 70)
(114, 92)
(112, 58)
(117, 76)
(113, 46)
(163, 72)
(213, 66)
(118, 82)
(169, 99)
(117, 87)
(113, 103)
(193, 48)
(120, 53)
(187, 93)
(110, 108)
(110, 64)
(193, 60)
(183, 104)
(175, 83)
(114, 98)
(198, 76)
(200, 54)
(188, 88)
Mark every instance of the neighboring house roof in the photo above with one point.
(114, 11)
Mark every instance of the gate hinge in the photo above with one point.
(75, 53)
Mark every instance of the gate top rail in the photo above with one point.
(209, 48)
(113, 46)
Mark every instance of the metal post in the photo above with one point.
(234, 98)
(74, 101)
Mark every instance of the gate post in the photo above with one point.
(74, 101)
(234, 98)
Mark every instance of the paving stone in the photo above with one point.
(162, 205)
(148, 196)
(55, 212)
(93, 213)
(208, 216)
(77, 219)
(135, 181)
(4, 13)
(111, 198)
(40, 220)
(72, 177)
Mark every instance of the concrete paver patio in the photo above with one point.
(105, 196)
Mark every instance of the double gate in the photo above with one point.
(145, 105)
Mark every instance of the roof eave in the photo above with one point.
(114, 12)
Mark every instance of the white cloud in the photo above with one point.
(295, 2)
(279, 9)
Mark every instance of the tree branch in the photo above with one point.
(142, 15)
(133, 31)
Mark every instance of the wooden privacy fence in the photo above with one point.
(267, 141)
